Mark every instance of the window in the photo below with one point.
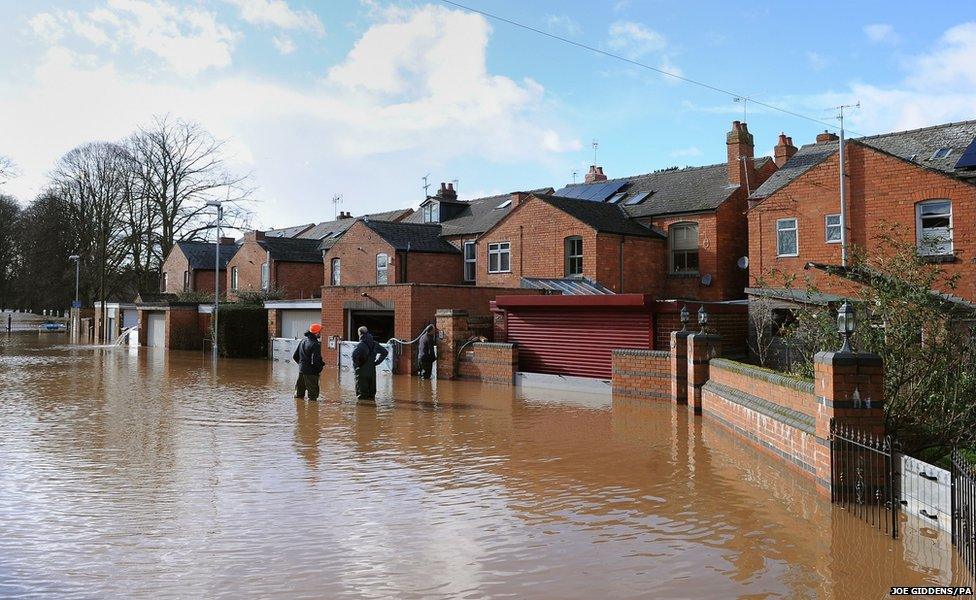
(504, 204)
(432, 212)
(470, 260)
(233, 278)
(186, 281)
(265, 276)
(165, 278)
(941, 153)
(832, 229)
(336, 276)
(786, 238)
(382, 268)
(933, 227)
(500, 257)
(574, 256)
(684, 248)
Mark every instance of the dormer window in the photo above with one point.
(432, 212)
(941, 153)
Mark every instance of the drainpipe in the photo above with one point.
(621, 254)
(521, 254)
(405, 263)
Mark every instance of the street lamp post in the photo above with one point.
(76, 320)
(845, 325)
(702, 318)
(220, 213)
(685, 317)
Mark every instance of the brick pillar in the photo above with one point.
(702, 347)
(836, 376)
(452, 331)
(679, 367)
(499, 324)
(274, 322)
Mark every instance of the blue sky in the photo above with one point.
(363, 98)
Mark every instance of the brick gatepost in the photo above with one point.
(702, 347)
(452, 332)
(836, 376)
(679, 367)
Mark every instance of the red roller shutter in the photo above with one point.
(576, 341)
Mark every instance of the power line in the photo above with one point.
(636, 63)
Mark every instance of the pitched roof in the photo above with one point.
(603, 217)
(292, 249)
(293, 231)
(915, 145)
(475, 216)
(200, 255)
(415, 237)
(328, 232)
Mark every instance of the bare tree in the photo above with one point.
(10, 214)
(8, 169)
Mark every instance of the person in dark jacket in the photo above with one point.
(426, 353)
(308, 355)
(365, 361)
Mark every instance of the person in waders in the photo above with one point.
(308, 355)
(365, 361)
(426, 354)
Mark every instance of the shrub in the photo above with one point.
(243, 330)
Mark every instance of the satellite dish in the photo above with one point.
(707, 279)
(743, 262)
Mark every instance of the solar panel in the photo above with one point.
(637, 199)
(570, 191)
(597, 192)
(968, 158)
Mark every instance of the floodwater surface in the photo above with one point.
(146, 474)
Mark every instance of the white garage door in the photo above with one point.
(294, 323)
(156, 331)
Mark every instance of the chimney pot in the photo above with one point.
(784, 150)
(595, 174)
(450, 187)
(826, 136)
(740, 147)
(226, 240)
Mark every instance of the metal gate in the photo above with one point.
(863, 477)
(576, 341)
(963, 491)
(385, 369)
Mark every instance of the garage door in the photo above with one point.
(576, 341)
(294, 323)
(156, 332)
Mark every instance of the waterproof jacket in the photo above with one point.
(425, 347)
(366, 351)
(308, 355)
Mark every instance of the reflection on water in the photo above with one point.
(151, 474)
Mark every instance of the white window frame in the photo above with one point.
(498, 250)
(265, 276)
(432, 212)
(796, 232)
(918, 227)
(234, 278)
(838, 225)
(165, 282)
(570, 258)
(672, 238)
(186, 281)
(335, 271)
(470, 262)
(385, 270)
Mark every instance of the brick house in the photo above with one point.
(916, 181)
(292, 266)
(189, 266)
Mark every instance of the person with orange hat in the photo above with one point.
(308, 355)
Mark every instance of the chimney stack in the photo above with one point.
(826, 136)
(447, 192)
(226, 241)
(519, 198)
(784, 150)
(344, 215)
(741, 167)
(595, 175)
(254, 235)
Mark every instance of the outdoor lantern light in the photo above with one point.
(685, 317)
(845, 325)
(702, 318)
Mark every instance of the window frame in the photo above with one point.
(165, 282)
(686, 251)
(335, 271)
(839, 225)
(266, 276)
(186, 281)
(466, 262)
(385, 270)
(796, 237)
(569, 259)
(234, 279)
(495, 249)
(432, 212)
(919, 229)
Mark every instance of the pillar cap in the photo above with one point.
(451, 312)
(705, 337)
(848, 358)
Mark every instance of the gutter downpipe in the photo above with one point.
(843, 195)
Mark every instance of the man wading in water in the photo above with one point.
(364, 361)
(426, 353)
(308, 355)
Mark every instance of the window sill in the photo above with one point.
(499, 272)
(683, 275)
(938, 258)
(787, 256)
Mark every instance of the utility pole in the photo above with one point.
(216, 305)
(76, 305)
(844, 251)
(336, 201)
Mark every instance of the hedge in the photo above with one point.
(243, 330)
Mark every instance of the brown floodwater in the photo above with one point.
(146, 474)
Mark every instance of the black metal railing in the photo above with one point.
(863, 478)
(963, 477)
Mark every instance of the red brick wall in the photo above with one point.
(173, 268)
(881, 189)
(491, 363)
(730, 321)
(296, 279)
(357, 249)
(642, 374)
(203, 281)
(429, 267)
(248, 261)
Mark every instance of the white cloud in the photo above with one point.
(635, 40)
(816, 61)
(277, 13)
(881, 32)
(47, 27)
(563, 24)
(688, 152)
(283, 44)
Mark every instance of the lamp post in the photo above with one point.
(685, 317)
(845, 325)
(76, 317)
(220, 213)
(77, 260)
(702, 318)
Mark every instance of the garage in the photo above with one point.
(575, 335)
(156, 330)
(294, 323)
